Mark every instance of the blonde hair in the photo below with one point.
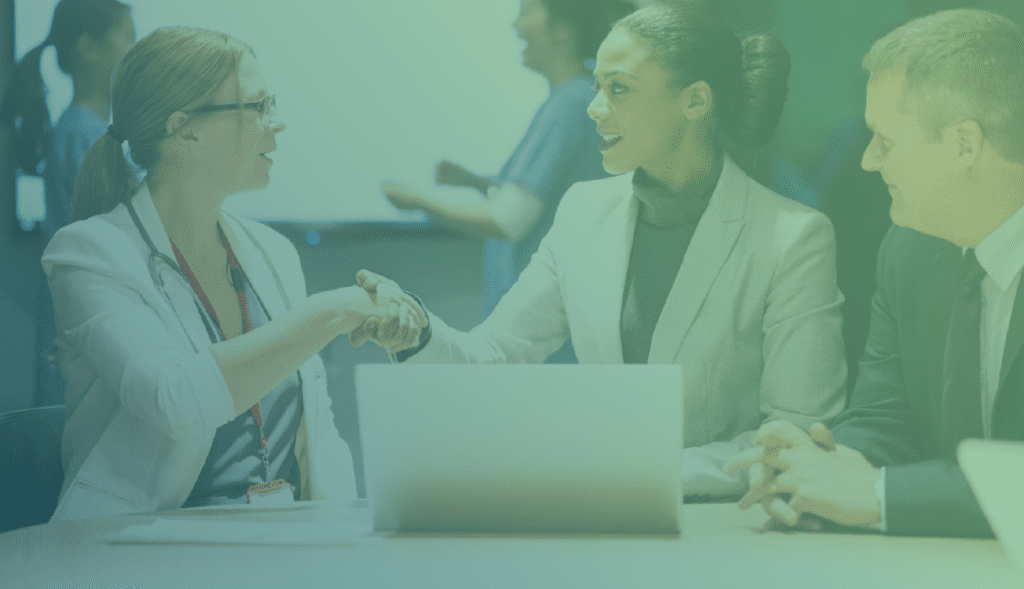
(960, 65)
(171, 69)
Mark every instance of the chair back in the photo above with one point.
(30, 461)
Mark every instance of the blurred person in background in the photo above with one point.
(91, 37)
(559, 148)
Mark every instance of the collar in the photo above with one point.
(664, 208)
(1001, 254)
(150, 218)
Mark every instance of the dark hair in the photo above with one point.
(590, 20)
(24, 103)
(171, 69)
(748, 80)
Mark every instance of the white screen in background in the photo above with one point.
(371, 91)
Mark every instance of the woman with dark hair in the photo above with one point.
(682, 259)
(559, 147)
(90, 37)
(186, 336)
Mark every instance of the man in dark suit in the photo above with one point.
(943, 359)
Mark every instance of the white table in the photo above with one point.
(721, 546)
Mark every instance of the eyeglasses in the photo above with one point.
(262, 106)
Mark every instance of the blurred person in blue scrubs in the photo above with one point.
(559, 148)
(91, 37)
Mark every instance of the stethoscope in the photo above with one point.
(155, 258)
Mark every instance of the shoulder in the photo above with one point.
(80, 125)
(99, 243)
(909, 254)
(596, 198)
(789, 222)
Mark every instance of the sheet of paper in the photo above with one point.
(206, 531)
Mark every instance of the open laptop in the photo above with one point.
(522, 448)
(995, 471)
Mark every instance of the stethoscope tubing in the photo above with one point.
(157, 256)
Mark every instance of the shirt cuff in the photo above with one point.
(880, 493)
(424, 334)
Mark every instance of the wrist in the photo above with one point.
(484, 184)
(342, 309)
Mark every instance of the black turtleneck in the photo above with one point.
(665, 224)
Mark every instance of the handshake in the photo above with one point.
(378, 310)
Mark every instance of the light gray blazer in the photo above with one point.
(753, 315)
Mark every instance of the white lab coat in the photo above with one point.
(144, 394)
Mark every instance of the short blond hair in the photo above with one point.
(960, 65)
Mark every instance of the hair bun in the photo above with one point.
(763, 88)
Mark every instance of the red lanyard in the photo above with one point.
(238, 281)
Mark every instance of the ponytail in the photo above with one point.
(104, 180)
(171, 69)
(24, 109)
(24, 103)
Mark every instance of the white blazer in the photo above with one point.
(753, 314)
(144, 394)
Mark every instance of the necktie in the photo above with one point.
(961, 378)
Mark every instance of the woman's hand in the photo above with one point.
(402, 195)
(397, 331)
(448, 173)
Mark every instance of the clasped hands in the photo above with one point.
(398, 320)
(793, 473)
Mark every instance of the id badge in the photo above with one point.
(278, 492)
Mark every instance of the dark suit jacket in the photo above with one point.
(896, 407)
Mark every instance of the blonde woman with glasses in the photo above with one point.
(185, 334)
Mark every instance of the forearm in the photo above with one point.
(932, 498)
(475, 219)
(255, 362)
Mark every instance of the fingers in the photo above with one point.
(368, 280)
(781, 434)
(418, 315)
(441, 171)
(810, 523)
(745, 459)
(780, 510)
(822, 437)
(389, 323)
(363, 333)
(770, 483)
(760, 485)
